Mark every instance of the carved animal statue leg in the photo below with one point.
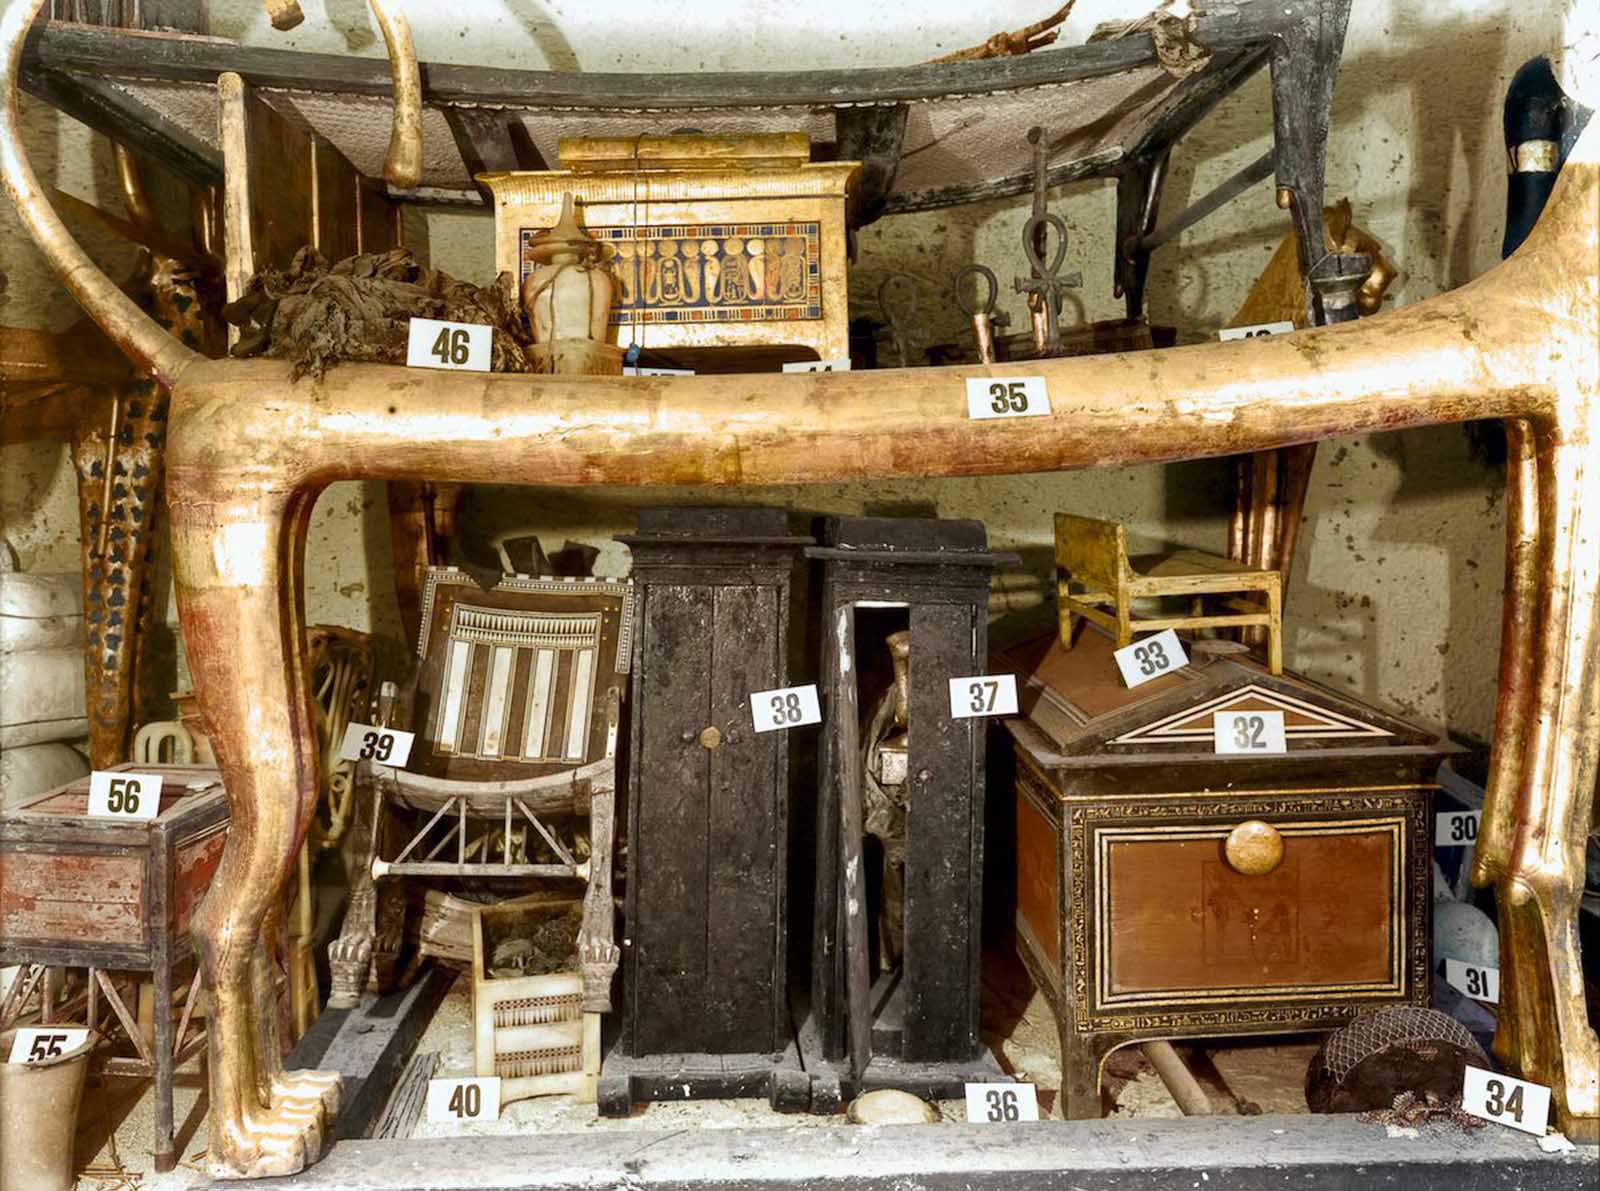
(237, 558)
(1542, 781)
(119, 468)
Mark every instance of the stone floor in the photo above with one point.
(1253, 1076)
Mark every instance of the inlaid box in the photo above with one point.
(714, 241)
(1167, 891)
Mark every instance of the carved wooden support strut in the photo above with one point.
(249, 452)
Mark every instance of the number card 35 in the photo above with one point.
(386, 746)
(114, 795)
(1001, 1103)
(476, 1099)
(1017, 397)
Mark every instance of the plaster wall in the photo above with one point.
(1397, 577)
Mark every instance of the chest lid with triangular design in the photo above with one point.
(1077, 705)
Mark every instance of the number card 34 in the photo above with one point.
(1506, 1101)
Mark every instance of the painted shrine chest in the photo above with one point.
(1165, 890)
(714, 241)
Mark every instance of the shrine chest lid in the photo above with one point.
(191, 796)
(903, 540)
(1077, 714)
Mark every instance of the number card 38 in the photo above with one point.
(123, 795)
(785, 707)
(385, 746)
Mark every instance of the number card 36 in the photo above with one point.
(121, 795)
(1001, 1103)
(386, 746)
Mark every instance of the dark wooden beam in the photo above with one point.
(873, 136)
(128, 120)
(490, 140)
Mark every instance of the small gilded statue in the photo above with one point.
(567, 298)
(886, 797)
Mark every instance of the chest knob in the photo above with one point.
(710, 737)
(1254, 848)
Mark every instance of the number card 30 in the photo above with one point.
(385, 746)
(785, 707)
(1506, 1101)
(433, 343)
(1150, 658)
(115, 795)
(1455, 829)
(461, 1100)
(1013, 397)
(42, 1043)
(983, 694)
(1001, 1103)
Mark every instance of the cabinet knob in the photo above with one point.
(711, 737)
(1254, 848)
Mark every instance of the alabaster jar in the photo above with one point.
(568, 295)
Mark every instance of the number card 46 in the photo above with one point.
(433, 343)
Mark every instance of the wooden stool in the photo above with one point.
(1095, 554)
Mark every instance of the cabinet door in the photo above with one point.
(667, 860)
(707, 861)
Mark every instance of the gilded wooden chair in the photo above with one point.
(1094, 555)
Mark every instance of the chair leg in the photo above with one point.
(1064, 625)
(1124, 617)
(1275, 629)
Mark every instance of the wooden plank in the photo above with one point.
(944, 841)
(745, 819)
(71, 898)
(410, 1096)
(672, 970)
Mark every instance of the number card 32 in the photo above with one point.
(1001, 1103)
(476, 1099)
(116, 795)
(785, 707)
(386, 746)
(1016, 397)
(1248, 732)
(433, 343)
(42, 1043)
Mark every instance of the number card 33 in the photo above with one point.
(121, 795)
(1150, 658)
(386, 746)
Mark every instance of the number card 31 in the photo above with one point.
(1001, 1103)
(436, 344)
(1016, 397)
(476, 1099)
(118, 795)
(386, 746)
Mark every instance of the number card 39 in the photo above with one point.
(1001, 1103)
(432, 343)
(121, 795)
(462, 1100)
(1013, 397)
(385, 746)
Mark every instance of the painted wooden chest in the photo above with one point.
(118, 897)
(1167, 890)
